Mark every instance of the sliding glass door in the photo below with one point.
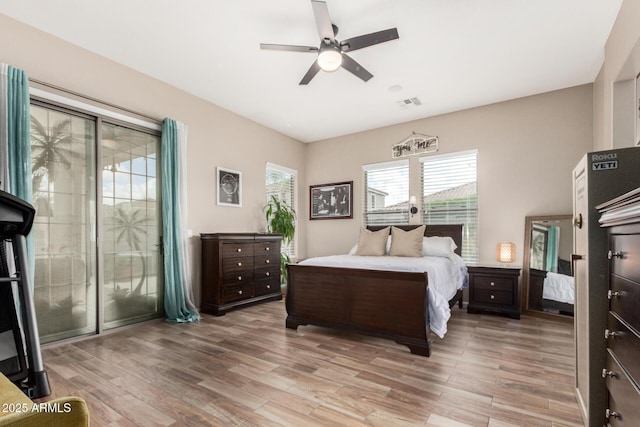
(130, 212)
(64, 194)
(96, 236)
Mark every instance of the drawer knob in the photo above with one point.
(267, 274)
(493, 284)
(493, 297)
(610, 334)
(267, 249)
(613, 294)
(239, 249)
(608, 413)
(268, 286)
(240, 292)
(239, 278)
(606, 374)
(239, 264)
(611, 255)
(267, 261)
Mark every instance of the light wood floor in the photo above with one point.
(246, 369)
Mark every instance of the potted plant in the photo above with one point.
(281, 218)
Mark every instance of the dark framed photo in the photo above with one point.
(229, 184)
(331, 201)
(539, 245)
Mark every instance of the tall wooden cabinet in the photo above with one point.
(239, 269)
(598, 177)
(621, 373)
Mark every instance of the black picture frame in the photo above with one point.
(331, 201)
(229, 185)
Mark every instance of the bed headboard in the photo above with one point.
(444, 230)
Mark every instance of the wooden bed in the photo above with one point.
(387, 304)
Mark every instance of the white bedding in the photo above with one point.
(558, 287)
(445, 277)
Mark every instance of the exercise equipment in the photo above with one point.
(20, 361)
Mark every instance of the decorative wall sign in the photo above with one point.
(415, 143)
(229, 183)
(331, 201)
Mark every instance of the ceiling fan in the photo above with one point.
(331, 52)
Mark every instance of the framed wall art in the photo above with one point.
(331, 201)
(229, 184)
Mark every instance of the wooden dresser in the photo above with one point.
(239, 269)
(495, 289)
(621, 217)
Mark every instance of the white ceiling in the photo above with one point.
(452, 55)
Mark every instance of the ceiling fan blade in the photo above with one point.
(323, 21)
(311, 73)
(288, 47)
(367, 40)
(354, 68)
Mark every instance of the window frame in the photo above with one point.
(470, 249)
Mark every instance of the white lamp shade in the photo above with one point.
(506, 252)
(330, 59)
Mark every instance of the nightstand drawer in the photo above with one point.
(493, 283)
(493, 297)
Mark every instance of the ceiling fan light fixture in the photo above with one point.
(330, 58)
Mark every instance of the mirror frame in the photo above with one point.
(526, 262)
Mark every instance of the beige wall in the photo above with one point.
(216, 136)
(622, 63)
(527, 149)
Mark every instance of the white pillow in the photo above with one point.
(438, 246)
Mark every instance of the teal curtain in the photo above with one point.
(17, 141)
(178, 293)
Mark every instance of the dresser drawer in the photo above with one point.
(627, 263)
(493, 283)
(236, 264)
(625, 300)
(262, 248)
(623, 396)
(267, 260)
(239, 277)
(493, 297)
(238, 292)
(267, 286)
(625, 345)
(272, 272)
(237, 249)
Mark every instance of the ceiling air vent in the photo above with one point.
(409, 102)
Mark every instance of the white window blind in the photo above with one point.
(386, 195)
(450, 195)
(281, 183)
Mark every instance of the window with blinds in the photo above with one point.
(386, 195)
(450, 195)
(281, 183)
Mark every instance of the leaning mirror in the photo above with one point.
(547, 282)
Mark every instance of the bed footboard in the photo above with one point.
(387, 304)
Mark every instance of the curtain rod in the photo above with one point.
(88, 98)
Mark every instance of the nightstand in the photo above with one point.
(495, 289)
